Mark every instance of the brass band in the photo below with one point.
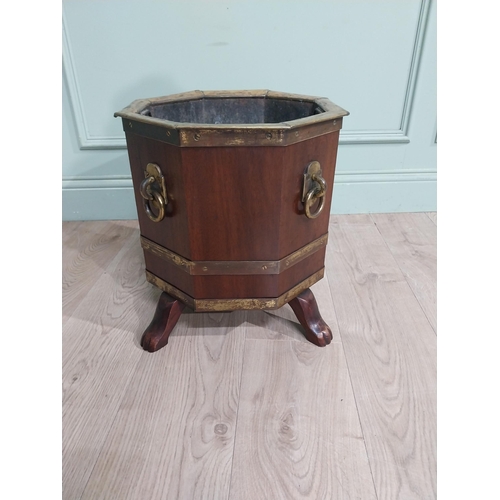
(234, 267)
(210, 305)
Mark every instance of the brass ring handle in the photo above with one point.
(145, 188)
(322, 183)
(311, 197)
(314, 187)
(158, 198)
(153, 189)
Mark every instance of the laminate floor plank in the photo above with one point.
(411, 239)
(88, 247)
(390, 350)
(239, 405)
(173, 435)
(298, 432)
(68, 228)
(433, 216)
(100, 351)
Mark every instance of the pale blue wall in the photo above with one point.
(374, 58)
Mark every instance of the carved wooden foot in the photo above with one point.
(306, 309)
(166, 316)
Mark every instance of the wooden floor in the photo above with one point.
(239, 405)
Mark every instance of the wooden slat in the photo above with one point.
(411, 239)
(173, 435)
(390, 349)
(100, 351)
(298, 430)
(88, 247)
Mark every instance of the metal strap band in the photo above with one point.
(234, 267)
(235, 304)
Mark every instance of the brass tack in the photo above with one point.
(264, 267)
(130, 124)
(168, 133)
(205, 268)
(335, 122)
(196, 137)
(297, 133)
(269, 135)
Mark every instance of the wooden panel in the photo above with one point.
(233, 202)
(170, 273)
(412, 241)
(296, 230)
(301, 271)
(298, 431)
(391, 353)
(173, 436)
(87, 249)
(171, 232)
(250, 199)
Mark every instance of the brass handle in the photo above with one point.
(311, 197)
(157, 198)
(314, 188)
(152, 189)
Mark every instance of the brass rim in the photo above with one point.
(184, 134)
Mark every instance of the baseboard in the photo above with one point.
(353, 194)
(412, 192)
(98, 204)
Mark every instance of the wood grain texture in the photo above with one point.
(295, 229)
(100, 351)
(411, 239)
(68, 228)
(174, 433)
(230, 203)
(172, 231)
(433, 216)
(311, 422)
(390, 349)
(298, 430)
(234, 202)
(87, 249)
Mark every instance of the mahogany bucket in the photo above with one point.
(233, 192)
